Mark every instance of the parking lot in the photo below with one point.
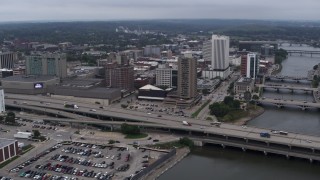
(78, 160)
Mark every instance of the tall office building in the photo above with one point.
(7, 60)
(187, 78)
(216, 55)
(118, 76)
(249, 65)
(53, 64)
(166, 76)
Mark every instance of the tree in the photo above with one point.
(228, 100)
(205, 92)
(10, 118)
(129, 129)
(219, 109)
(36, 133)
(315, 67)
(255, 97)
(236, 104)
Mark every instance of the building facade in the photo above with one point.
(7, 59)
(2, 103)
(8, 149)
(187, 78)
(121, 77)
(52, 64)
(243, 85)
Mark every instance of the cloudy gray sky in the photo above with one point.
(25, 10)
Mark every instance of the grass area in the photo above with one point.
(136, 136)
(234, 115)
(168, 145)
(8, 161)
(27, 148)
(209, 118)
(195, 114)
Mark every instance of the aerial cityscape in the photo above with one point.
(139, 90)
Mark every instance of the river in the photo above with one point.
(212, 162)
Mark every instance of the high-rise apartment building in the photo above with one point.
(249, 65)
(187, 78)
(120, 76)
(216, 55)
(7, 60)
(53, 64)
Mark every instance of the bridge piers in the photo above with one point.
(311, 160)
(287, 156)
(223, 146)
(243, 149)
(265, 153)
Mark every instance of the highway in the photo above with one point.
(173, 123)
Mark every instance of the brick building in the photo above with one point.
(8, 149)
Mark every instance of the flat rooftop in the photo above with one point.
(5, 142)
(30, 78)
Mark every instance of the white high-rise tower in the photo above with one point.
(216, 53)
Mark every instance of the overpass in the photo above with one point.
(292, 88)
(297, 145)
(282, 102)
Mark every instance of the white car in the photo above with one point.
(93, 110)
(59, 135)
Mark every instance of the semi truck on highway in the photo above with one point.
(186, 123)
(22, 135)
(74, 106)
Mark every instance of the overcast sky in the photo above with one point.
(60, 10)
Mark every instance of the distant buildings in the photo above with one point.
(249, 65)
(152, 50)
(120, 76)
(52, 64)
(7, 60)
(258, 46)
(216, 56)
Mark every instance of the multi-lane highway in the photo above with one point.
(169, 122)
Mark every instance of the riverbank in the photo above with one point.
(180, 154)
(253, 113)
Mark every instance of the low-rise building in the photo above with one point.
(243, 85)
(8, 149)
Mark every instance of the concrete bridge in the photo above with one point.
(292, 88)
(293, 78)
(282, 103)
(302, 52)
